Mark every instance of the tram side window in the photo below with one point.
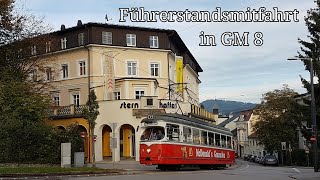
(229, 142)
(204, 139)
(196, 136)
(187, 137)
(211, 139)
(223, 140)
(217, 139)
(173, 132)
(152, 133)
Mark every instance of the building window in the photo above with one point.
(48, 46)
(34, 75)
(64, 71)
(20, 53)
(76, 99)
(154, 69)
(139, 93)
(63, 43)
(106, 37)
(116, 95)
(81, 39)
(33, 50)
(132, 68)
(48, 73)
(56, 100)
(131, 40)
(153, 41)
(82, 68)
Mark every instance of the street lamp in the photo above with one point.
(313, 113)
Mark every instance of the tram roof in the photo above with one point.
(181, 119)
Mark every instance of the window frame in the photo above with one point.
(106, 37)
(82, 69)
(175, 134)
(139, 94)
(63, 71)
(187, 136)
(63, 43)
(154, 40)
(196, 136)
(117, 95)
(54, 96)
(131, 40)
(48, 46)
(81, 39)
(48, 72)
(33, 50)
(153, 69)
(131, 67)
(75, 102)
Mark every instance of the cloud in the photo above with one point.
(228, 71)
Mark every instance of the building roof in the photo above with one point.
(227, 121)
(253, 135)
(245, 115)
(172, 34)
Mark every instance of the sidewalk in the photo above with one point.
(130, 165)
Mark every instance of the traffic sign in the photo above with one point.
(283, 146)
(313, 139)
(82, 135)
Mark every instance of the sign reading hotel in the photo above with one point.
(136, 105)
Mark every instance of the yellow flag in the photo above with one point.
(179, 73)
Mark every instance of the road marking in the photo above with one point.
(244, 168)
(297, 170)
(247, 166)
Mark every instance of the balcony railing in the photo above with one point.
(65, 110)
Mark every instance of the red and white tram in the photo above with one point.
(172, 141)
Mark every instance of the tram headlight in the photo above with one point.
(148, 150)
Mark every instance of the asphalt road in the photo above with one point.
(242, 171)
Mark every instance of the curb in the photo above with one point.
(61, 175)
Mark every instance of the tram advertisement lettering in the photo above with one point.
(202, 153)
(219, 155)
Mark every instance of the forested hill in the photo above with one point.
(225, 107)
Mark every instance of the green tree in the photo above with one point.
(279, 116)
(91, 114)
(311, 49)
(24, 135)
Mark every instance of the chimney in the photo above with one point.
(79, 23)
(63, 27)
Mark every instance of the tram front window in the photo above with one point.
(152, 133)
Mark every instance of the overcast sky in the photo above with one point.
(232, 73)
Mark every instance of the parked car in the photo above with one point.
(270, 160)
(261, 160)
(257, 159)
(246, 157)
(252, 158)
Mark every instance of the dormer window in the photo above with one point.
(154, 42)
(33, 50)
(63, 43)
(106, 37)
(81, 39)
(48, 46)
(131, 40)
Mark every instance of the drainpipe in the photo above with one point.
(168, 59)
(91, 134)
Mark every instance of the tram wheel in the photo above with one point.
(162, 167)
